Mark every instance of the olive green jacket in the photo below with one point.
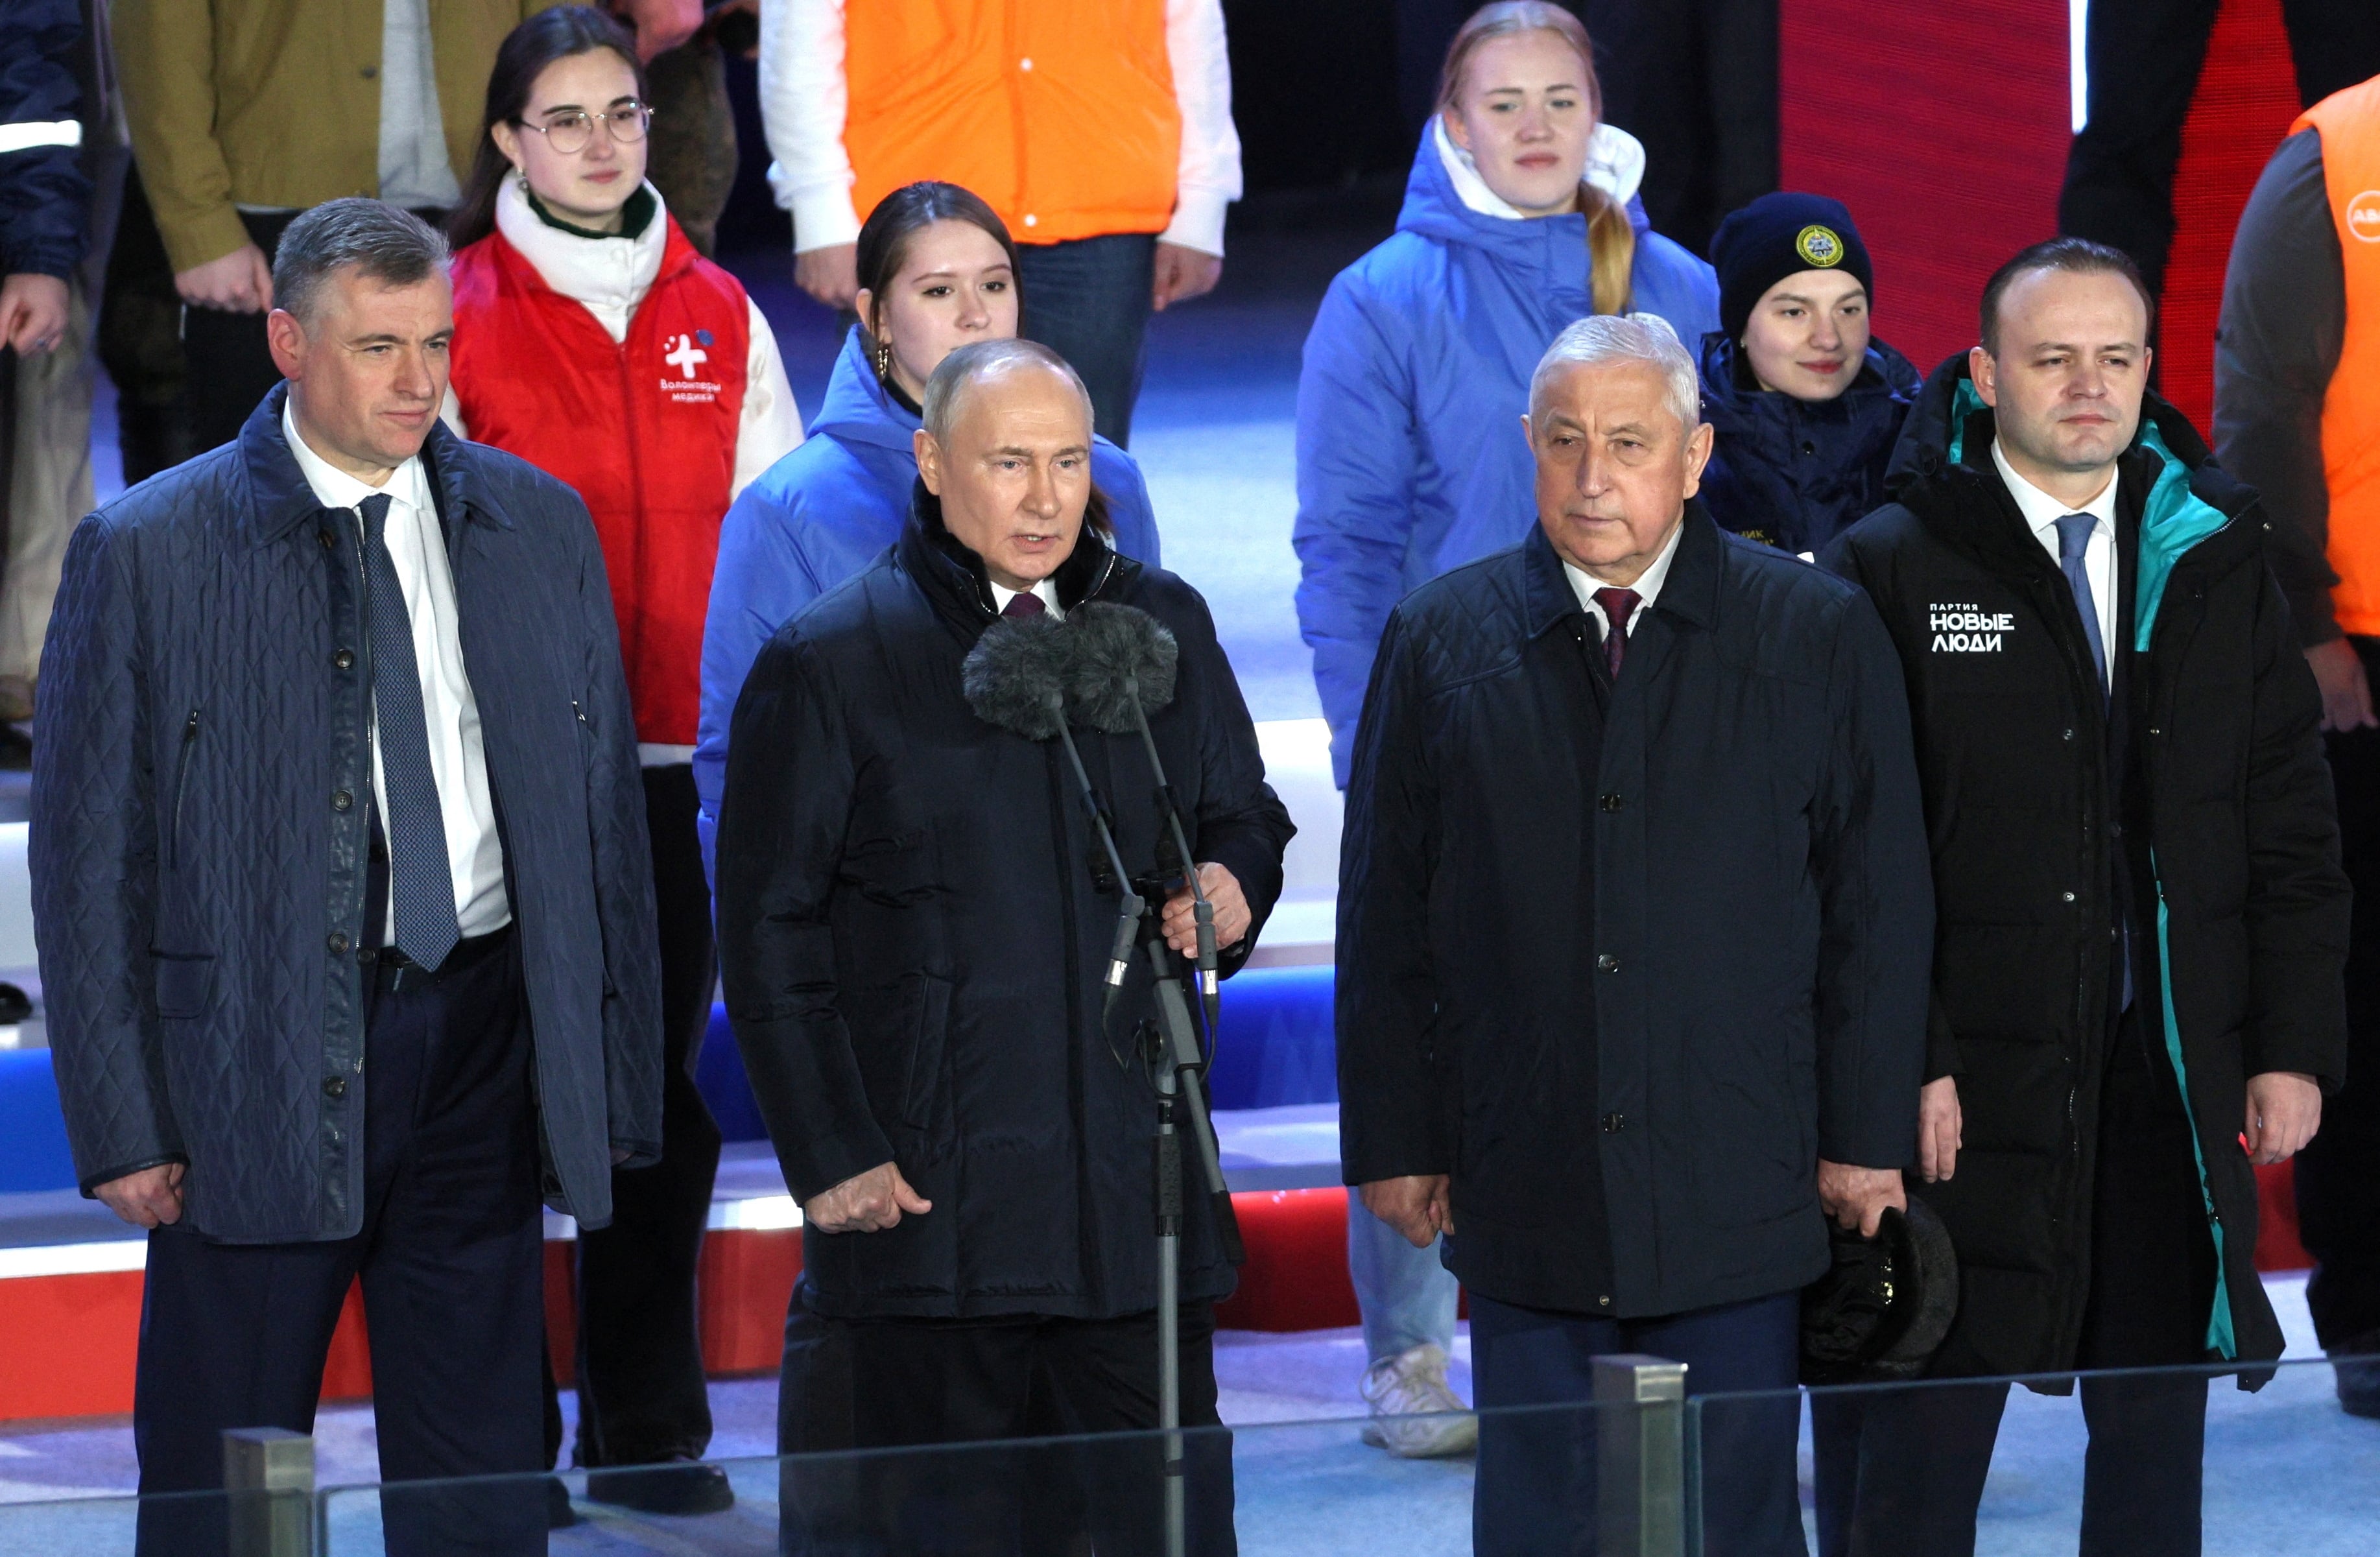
(276, 103)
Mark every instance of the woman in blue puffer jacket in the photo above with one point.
(1806, 403)
(937, 272)
(1520, 216)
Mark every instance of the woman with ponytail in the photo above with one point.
(592, 341)
(1519, 217)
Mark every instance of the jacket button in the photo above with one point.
(1611, 802)
(1614, 1123)
(2068, 896)
(1607, 962)
(335, 1086)
(326, 538)
(367, 956)
(344, 659)
(1603, 1302)
(2067, 736)
(2156, 729)
(341, 799)
(371, 71)
(338, 943)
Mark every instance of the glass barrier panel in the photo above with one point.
(1295, 1489)
(2216, 1458)
(198, 1523)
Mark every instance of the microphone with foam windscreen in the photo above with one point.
(1017, 678)
(1124, 669)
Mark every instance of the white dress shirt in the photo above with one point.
(458, 762)
(805, 94)
(2042, 513)
(1045, 588)
(1648, 586)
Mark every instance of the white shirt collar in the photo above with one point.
(1047, 589)
(333, 488)
(1615, 164)
(1647, 585)
(2042, 511)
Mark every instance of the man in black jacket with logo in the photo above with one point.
(1633, 924)
(2142, 922)
(915, 939)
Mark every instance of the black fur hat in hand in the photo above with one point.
(1883, 1309)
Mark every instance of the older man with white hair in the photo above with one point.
(1634, 934)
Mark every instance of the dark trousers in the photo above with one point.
(141, 343)
(1088, 300)
(2144, 58)
(234, 1335)
(1901, 1471)
(2338, 1173)
(1537, 1484)
(890, 1384)
(642, 1395)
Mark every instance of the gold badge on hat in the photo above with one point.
(1821, 246)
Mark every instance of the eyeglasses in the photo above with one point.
(574, 132)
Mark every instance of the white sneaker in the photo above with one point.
(1414, 1415)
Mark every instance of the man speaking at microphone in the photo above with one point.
(915, 922)
(1634, 923)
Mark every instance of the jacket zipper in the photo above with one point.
(181, 786)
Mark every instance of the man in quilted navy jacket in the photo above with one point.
(344, 902)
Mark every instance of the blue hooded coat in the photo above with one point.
(823, 514)
(1409, 456)
(1797, 473)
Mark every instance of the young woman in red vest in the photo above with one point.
(591, 340)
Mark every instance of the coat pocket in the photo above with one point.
(901, 1052)
(185, 983)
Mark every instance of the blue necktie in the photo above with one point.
(2073, 540)
(421, 881)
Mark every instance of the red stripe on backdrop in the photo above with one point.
(2247, 97)
(1944, 129)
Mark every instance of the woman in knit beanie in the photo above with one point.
(1805, 402)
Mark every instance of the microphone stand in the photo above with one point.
(1209, 975)
(1170, 1049)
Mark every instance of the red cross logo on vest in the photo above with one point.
(685, 356)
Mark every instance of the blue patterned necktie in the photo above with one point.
(422, 881)
(2073, 540)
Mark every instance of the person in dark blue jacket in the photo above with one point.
(1587, 765)
(344, 899)
(937, 271)
(44, 198)
(1519, 217)
(1806, 402)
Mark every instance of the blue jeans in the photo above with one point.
(1407, 1298)
(1088, 300)
(1535, 1489)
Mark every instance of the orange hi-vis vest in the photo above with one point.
(2349, 123)
(1061, 114)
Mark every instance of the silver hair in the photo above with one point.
(1624, 338)
(387, 245)
(970, 365)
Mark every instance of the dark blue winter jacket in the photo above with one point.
(823, 514)
(44, 198)
(198, 868)
(1410, 454)
(1797, 473)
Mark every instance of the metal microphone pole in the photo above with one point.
(1203, 912)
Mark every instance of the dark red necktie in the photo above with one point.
(1619, 610)
(1026, 604)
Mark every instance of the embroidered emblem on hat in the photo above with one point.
(2363, 217)
(1823, 247)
